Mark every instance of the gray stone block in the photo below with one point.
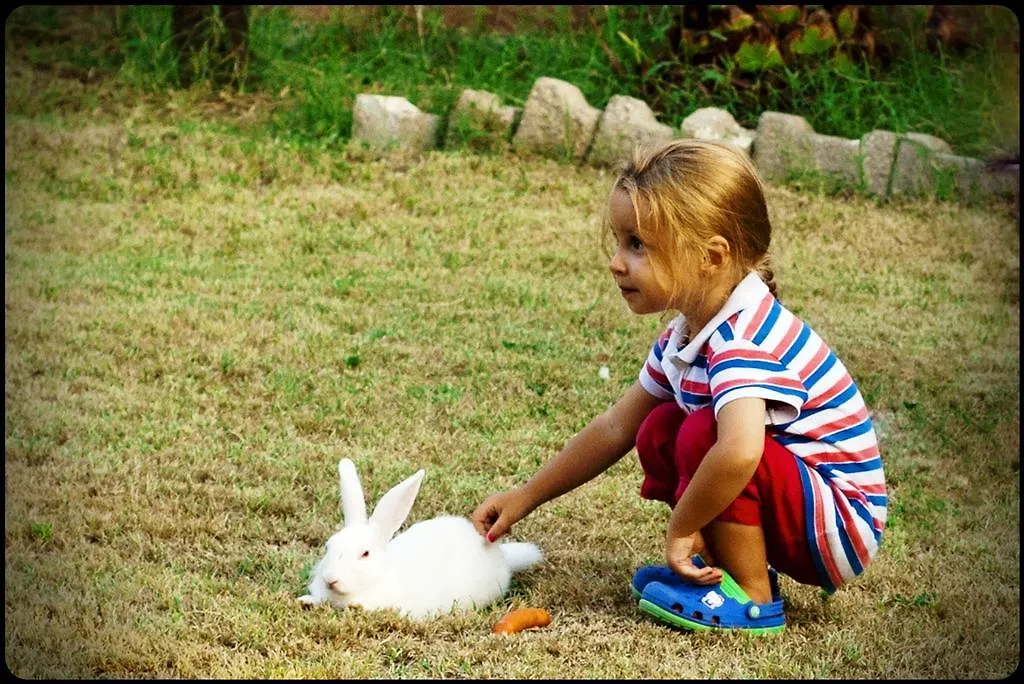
(745, 140)
(626, 124)
(961, 175)
(712, 123)
(479, 120)
(1000, 183)
(926, 169)
(837, 157)
(386, 122)
(878, 154)
(557, 121)
(931, 142)
(965, 178)
(915, 166)
(782, 145)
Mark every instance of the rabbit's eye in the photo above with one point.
(364, 554)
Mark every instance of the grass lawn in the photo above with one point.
(200, 321)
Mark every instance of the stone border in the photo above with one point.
(558, 122)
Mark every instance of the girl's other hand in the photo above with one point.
(678, 552)
(496, 515)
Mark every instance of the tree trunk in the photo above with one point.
(193, 27)
(236, 21)
(189, 30)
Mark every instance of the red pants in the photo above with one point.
(672, 444)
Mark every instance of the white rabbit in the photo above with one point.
(433, 567)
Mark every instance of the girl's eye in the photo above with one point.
(635, 244)
(364, 554)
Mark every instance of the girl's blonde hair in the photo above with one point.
(690, 191)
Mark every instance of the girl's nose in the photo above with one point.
(617, 264)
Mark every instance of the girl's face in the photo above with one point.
(631, 265)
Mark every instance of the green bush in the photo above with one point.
(845, 71)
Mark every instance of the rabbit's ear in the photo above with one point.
(394, 506)
(353, 506)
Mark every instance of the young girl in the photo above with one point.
(744, 421)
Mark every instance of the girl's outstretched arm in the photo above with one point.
(604, 440)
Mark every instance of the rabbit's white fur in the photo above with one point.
(434, 567)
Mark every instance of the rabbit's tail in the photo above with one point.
(520, 555)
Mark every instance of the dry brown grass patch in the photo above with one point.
(200, 323)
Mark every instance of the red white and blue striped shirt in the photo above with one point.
(755, 347)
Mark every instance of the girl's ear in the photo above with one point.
(717, 254)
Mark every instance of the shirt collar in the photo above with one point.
(749, 292)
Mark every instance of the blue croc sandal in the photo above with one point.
(652, 573)
(666, 575)
(724, 606)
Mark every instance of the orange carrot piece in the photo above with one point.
(522, 618)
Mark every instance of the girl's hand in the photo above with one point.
(496, 515)
(678, 551)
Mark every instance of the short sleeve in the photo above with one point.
(652, 376)
(739, 368)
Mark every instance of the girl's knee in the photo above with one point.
(695, 437)
(658, 429)
(702, 421)
(655, 441)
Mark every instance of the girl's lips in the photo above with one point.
(626, 290)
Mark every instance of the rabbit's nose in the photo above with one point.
(333, 584)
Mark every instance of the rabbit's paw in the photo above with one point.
(308, 601)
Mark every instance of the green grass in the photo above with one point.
(314, 70)
(202, 317)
